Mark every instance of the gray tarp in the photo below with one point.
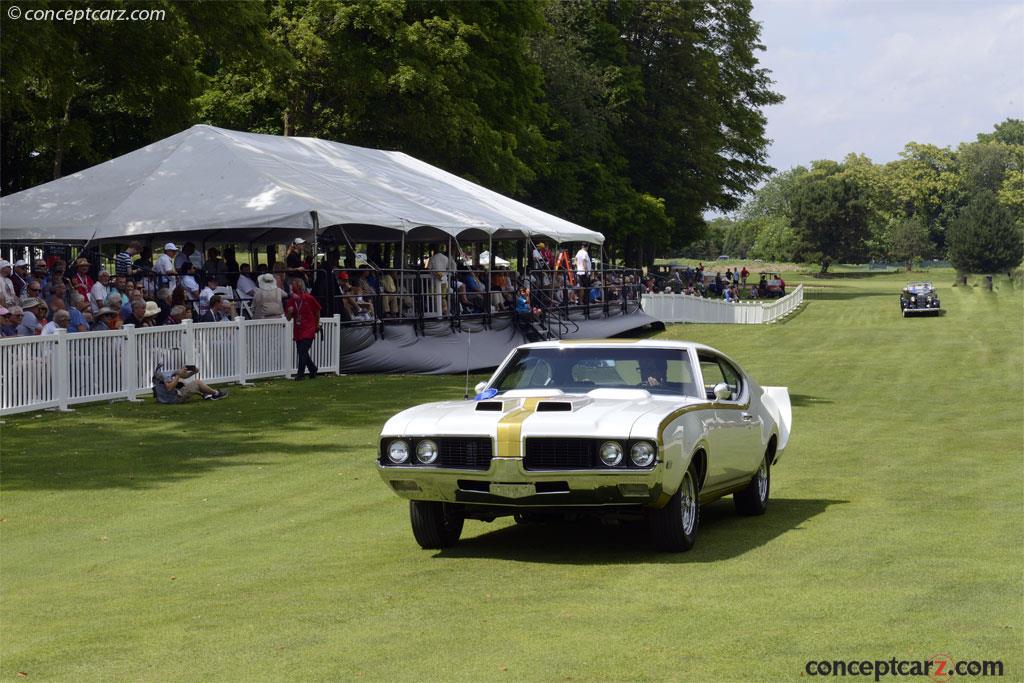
(440, 351)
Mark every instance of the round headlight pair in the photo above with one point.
(642, 453)
(426, 451)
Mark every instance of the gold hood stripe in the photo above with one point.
(510, 428)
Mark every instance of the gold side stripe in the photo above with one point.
(663, 425)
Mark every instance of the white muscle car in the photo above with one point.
(623, 428)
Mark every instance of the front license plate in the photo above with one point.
(513, 490)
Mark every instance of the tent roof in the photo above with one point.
(211, 179)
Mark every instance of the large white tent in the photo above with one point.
(208, 180)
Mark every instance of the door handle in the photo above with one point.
(747, 417)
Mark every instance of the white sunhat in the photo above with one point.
(4, 264)
(298, 240)
(20, 263)
(170, 246)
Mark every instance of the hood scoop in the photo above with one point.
(563, 405)
(495, 406)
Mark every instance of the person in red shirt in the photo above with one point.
(304, 312)
(81, 280)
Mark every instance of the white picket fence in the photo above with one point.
(60, 370)
(684, 308)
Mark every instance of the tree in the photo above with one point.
(907, 240)
(450, 83)
(775, 240)
(101, 89)
(697, 137)
(985, 238)
(830, 216)
(923, 182)
(1009, 132)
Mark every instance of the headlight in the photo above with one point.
(642, 454)
(398, 451)
(611, 453)
(426, 451)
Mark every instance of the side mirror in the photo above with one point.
(480, 387)
(722, 391)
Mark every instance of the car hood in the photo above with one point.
(623, 413)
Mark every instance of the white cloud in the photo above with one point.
(868, 77)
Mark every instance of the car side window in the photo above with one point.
(715, 371)
(732, 378)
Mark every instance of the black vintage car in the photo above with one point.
(919, 298)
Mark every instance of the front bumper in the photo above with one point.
(921, 311)
(507, 484)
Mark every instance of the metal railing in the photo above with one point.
(56, 371)
(688, 308)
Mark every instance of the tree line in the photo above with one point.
(630, 117)
(964, 204)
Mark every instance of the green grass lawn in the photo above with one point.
(252, 539)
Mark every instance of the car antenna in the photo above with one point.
(469, 339)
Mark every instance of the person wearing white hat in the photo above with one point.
(8, 294)
(293, 260)
(267, 299)
(20, 276)
(164, 267)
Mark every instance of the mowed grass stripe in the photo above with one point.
(895, 528)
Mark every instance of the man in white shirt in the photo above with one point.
(246, 285)
(8, 297)
(164, 267)
(206, 294)
(189, 253)
(583, 267)
(438, 264)
(99, 292)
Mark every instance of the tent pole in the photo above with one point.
(316, 229)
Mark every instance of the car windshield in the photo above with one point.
(582, 369)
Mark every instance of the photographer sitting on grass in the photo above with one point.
(171, 387)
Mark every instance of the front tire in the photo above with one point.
(753, 500)
(674, 527)
(435, 525)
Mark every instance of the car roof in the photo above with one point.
(616, 344)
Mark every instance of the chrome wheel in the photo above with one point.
(688, 503)
(762, 481)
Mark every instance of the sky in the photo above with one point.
(869, 76)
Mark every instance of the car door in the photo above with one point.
(733, 431)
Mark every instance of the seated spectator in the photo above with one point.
(80, 304)
(163, 302)
(33, 311)
(732, 294)
(60, 290)
(206, 294)
(180, 385)
(61, 321)
(105, 319)
(81, 280)
(77, 322)
(267, 299)
(523, 306)
(246, 284)
(188, 280)
(8, 326)
(99, 291)
(120, 285)
(217, 310)
(176, 315)
(125, 310)
(137, 314)
(150, 315)
(33, 288)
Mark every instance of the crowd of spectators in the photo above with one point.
(178, 285)
(733, 285)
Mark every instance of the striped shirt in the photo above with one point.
(123, 264)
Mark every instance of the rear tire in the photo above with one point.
(753, 500)
(674, 527)
(435, 525)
